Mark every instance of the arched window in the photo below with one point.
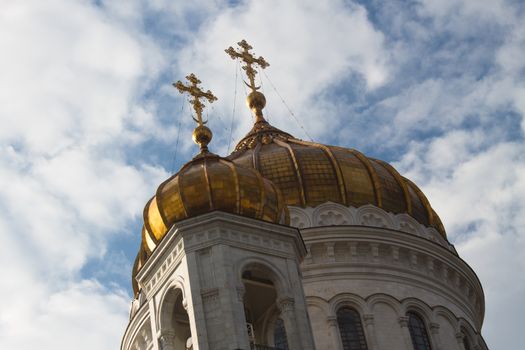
(351, 329)
(279, 336)
(418, 332)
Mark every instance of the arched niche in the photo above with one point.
(264, 296)
(174, 321)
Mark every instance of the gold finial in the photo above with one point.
(202, 134)
(255, 100)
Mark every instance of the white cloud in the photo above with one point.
(82, 315)
(70, 75)
(310, 45)
(480, 201)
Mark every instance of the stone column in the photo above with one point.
(459, 338)
(231, 327)
(434, 330)
(403, 323)
(153, 324)
(286, 306)
(370, 330)
(333, 327)
(167, 341)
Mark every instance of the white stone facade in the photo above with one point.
(201, 263)
(383, 266)
(379, 264)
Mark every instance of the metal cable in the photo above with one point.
(178, 121)
(233, 111)
(287, 107)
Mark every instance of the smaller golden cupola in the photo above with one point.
(207, 183)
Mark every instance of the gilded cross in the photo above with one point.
(249, 59)
(197, 94)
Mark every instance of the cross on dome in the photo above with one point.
(249, 59)
(255, 100)
(195, 91)
(201, 135)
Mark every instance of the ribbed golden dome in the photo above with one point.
(309, 174)
(209, 183)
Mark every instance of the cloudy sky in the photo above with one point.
(90, 125)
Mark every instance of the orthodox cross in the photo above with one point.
(249, 59)
(197, 94)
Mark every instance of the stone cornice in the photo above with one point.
(385, 254)
(136, 323)
(333, 214)
(217, 228)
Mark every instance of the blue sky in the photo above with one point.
(90, 126)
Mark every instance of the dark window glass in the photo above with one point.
(418, 332)
(351, 329)
(279, 336)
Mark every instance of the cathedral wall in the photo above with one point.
(200, 268)
(447, 333)
(319, 321)
(388, 333)
(383, 274)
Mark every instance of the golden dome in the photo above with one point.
(309, 174)
(209, 183)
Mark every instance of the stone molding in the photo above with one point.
(333, 214)
(138, 333)
(336, 251)
(233, 243)
(202, 232)
(369, 319)
(364, 307)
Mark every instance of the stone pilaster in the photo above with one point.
(403, 323)
(167, 340)
(334, 332)
(436, 338)
(370, 331)
(287, 308)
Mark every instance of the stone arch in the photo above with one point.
(299, 218)
(447, 314)
(386, 299)
(419, 307)
(329, 214)
(370, 215)
(135, 334)
(171, 292)
(173, 318)
(464, 324)
(387, 313)
(425, 313)
(269, 324)
(448, 330)
(348, 299)
(466, 328)
(258, 264)
(266, 295)
(319, 303)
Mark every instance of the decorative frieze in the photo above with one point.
(393, 255)
(332, 214)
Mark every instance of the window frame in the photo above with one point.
(358, 322)
(411, 314)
